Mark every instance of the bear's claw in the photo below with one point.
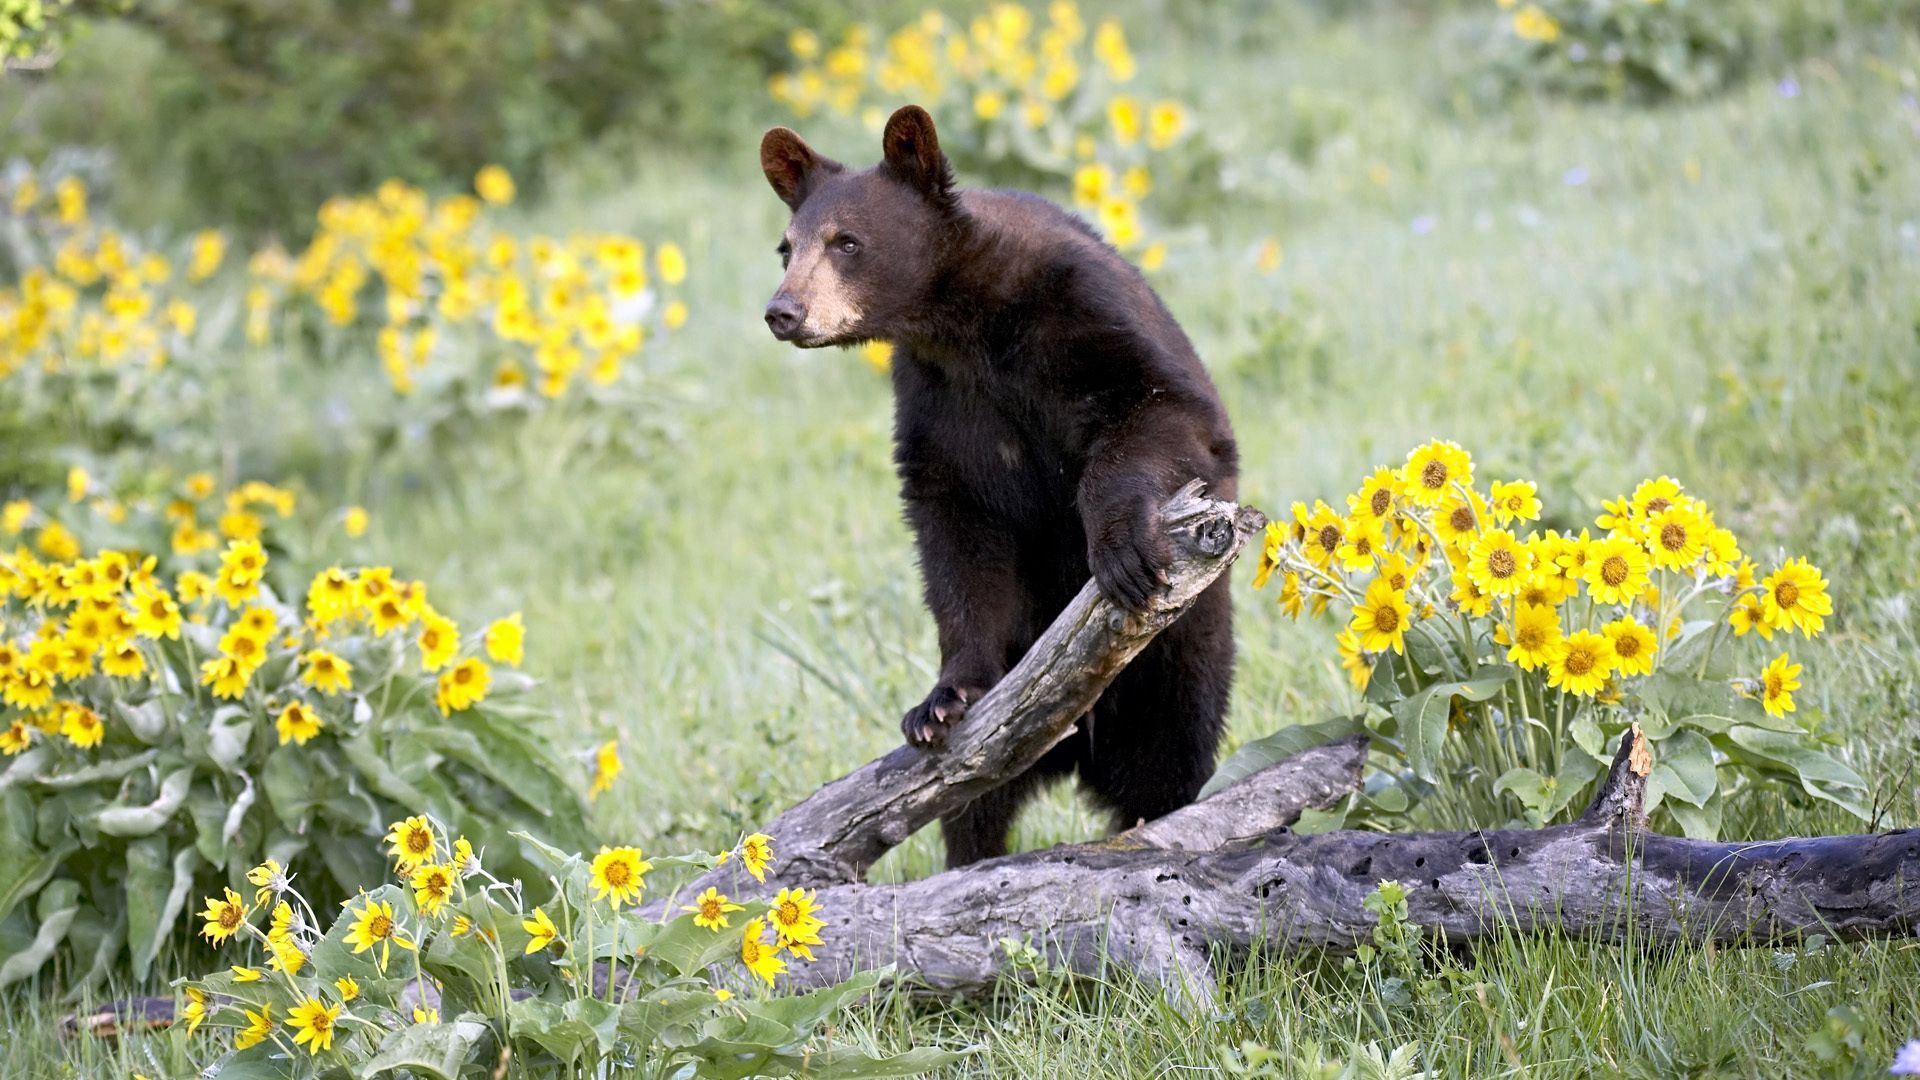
(1130, 572)
(927, 723)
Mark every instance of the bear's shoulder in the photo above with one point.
(1050, 264)
(1024, 214)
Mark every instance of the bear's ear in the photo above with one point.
(791, 165)
(912, 152)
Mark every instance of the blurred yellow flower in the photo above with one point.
(1533, 24)
(619, 875)
(541, 927)
(223, 917)
(259, 1026)
(1777, 683)
(494, 184)
(1581, 663)
(297, 723)
(462, 686)
(1633, 646)
(757, 956)
(1794, 598)
(505, 640)
(756, 853)
(672, 262)
(326, 672)
(606, 768)
(710, 909)
(1380, 620)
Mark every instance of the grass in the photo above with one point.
(1724, 292)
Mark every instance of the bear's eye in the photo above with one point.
(786, 253)
(847, 245)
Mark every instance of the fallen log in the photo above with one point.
(1164, 908)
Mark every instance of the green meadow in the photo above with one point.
(1582, 293)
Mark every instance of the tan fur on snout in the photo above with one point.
(833, 308)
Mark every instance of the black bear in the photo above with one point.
(1046, 405)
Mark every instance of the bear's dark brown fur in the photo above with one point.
(1046, 405)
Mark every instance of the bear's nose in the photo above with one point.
(784, 316)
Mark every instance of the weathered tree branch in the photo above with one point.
(835, 834)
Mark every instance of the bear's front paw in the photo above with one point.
(1131, 568)
(926, 724)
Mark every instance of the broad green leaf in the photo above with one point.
(804, 1012)
(1382, 688)
(1683, 768)
(1698, 822)
(156, 891)
(27, 866)
(263, 1062)
(227, 736)
(522, 764)
(1272, 749)
(1423, 717)
(1819, 774)
(93, 774)
(208, 810)
(1533, 790)
(1387, 792)
(467, 955)
(146, 720)
(568, 1031)
(1677, 700)
(147, 819)
(687, 948)
(333, 957)
(1436, 655)
(292, 788)
(1577, 772)
(747, 1027)
(25, 767)
(380, 775)
(667, 1016)
(1587, 735)
(1313, 820)
(438, 1050)
(58, 906)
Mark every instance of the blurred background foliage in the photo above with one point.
(249, 113)
(260, 109)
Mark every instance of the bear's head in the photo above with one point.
(863, 249)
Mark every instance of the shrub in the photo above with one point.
(1653, 49)
(1018, 97)
(118, 341)
(1508, 666)
(176, 710)
(456, 971)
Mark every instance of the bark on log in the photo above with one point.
(836, 834)
(1162, 909)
